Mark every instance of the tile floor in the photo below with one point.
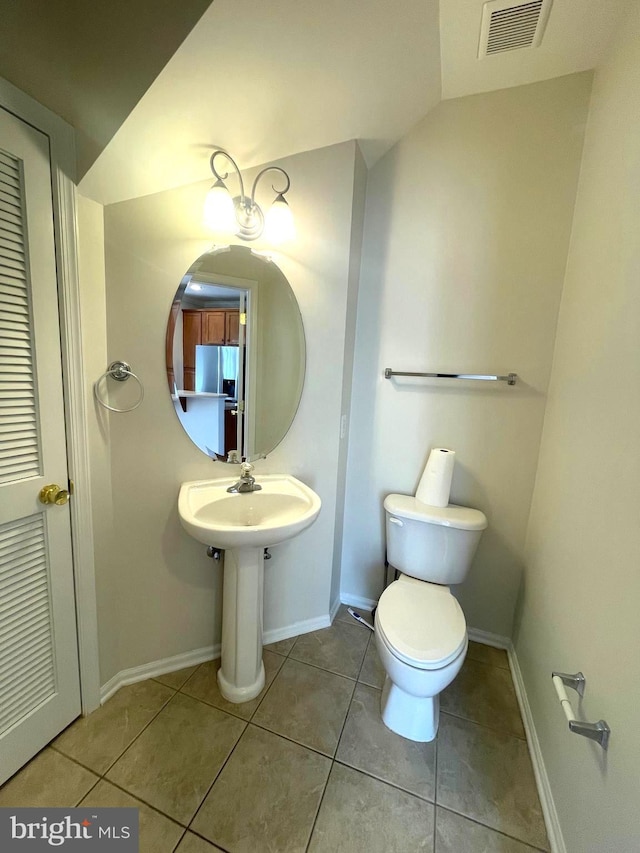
(307, 766)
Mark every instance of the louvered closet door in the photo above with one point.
(39, 676)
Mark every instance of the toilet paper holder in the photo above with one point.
(600, 731)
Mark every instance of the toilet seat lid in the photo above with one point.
(421, 622)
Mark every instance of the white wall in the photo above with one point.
(581, 595)
(168, 592)
(466, 234)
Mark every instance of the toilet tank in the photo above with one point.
(435, 544)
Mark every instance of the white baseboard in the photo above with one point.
(539, 770)
(333, 610)
(489, 639)
(157, 667)
(197, 656)
(359, 601)
(303, 627)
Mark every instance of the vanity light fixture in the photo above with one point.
(241, 214)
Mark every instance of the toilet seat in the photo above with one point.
(421, 623)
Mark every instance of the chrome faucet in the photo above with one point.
(246, 483)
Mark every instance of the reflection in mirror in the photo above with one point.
(235, 354)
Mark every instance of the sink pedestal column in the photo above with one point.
(241, 674)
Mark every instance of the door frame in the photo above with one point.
(63, 172)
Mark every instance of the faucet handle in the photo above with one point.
(246, 468)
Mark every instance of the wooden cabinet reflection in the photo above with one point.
(205, 327)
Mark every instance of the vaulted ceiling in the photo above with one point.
(90, 61)
(153, 85)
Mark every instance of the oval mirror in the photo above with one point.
(235, 354)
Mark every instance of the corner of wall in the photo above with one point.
(91, 272)
(355, 254)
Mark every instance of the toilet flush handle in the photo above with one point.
(397, 521)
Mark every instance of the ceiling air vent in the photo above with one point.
(512, 26)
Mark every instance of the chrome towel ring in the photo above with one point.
(120, 371)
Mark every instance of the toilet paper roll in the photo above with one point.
(435, 483)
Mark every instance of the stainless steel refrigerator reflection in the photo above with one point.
(214, 365)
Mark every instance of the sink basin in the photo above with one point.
(281, 509)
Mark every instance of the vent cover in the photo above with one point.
(512, 26)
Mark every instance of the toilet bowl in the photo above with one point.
(420, 629)
(421, 639)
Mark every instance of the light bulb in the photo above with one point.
(279, 224)
(219, 213)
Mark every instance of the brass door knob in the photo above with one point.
(53, 494)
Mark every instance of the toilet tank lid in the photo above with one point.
(462, 517)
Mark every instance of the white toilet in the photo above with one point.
(421, 633)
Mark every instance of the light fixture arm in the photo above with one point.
(221, 205)
(226, 174)
(260, 174)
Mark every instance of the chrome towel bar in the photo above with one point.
(599, 731)
(509, 378)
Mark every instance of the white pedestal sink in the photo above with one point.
(244, 524)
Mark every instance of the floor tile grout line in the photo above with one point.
(290, 739)
(179, 842)
(215, 707)
(315, 818)
(143, 801)
(492, 666)
(103, 774)
(64, 755)
(492, 828)
(485, 726)
(51, 744)
(215, 779)
(165, 704)
(364, 656)
(169, 686)
(333, 764)
(95, 784)
(486, 663)
(137, 797)
(324, 669)
(211, 705)
(267, 690)
(397, 787)
(344, 722)
(215, 844)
